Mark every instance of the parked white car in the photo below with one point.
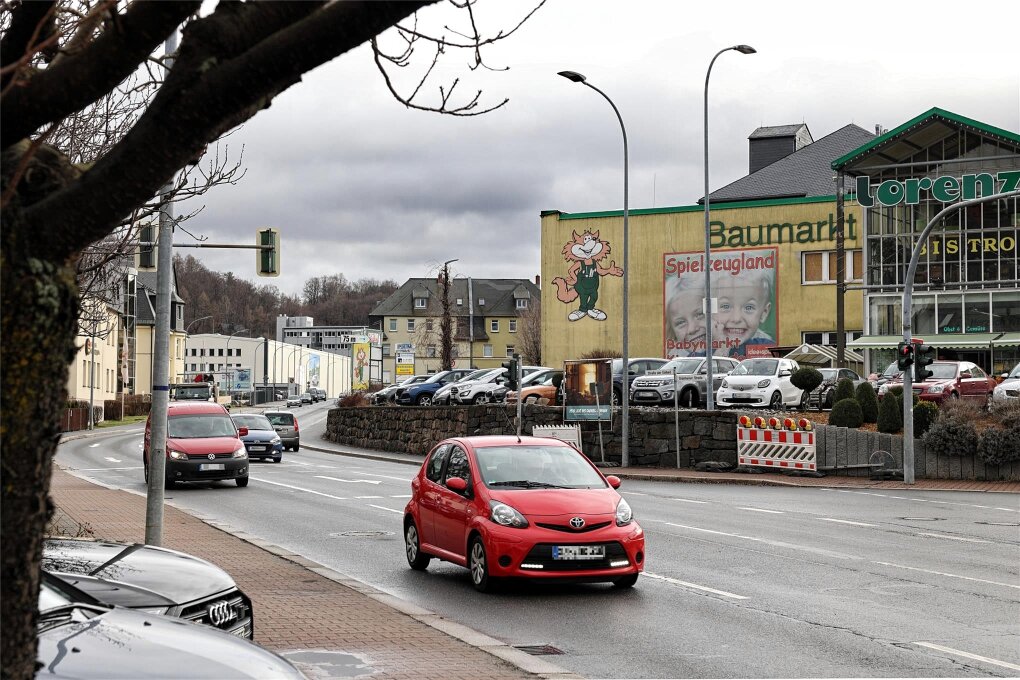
(442, 395)
(1009, 388)
(760, 382)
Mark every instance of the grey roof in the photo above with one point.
(778, 131)
(805, 172)
(499, 296)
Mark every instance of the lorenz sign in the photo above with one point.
(945, 189)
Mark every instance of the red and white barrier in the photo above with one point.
(776, 448)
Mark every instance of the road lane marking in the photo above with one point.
(634, 493)
(387, 509)
(968, 655)
(365, 497)
(297, 462)
(687, 500)
(942, 573)
(846, 521)
(774, 512)
(138, 467)
(399, 479)
(401, 496)
(350, 481)
(298, 488)
(678, 582)
(954, 538)
(92, 446)
(925, 500)
(113, 460)
(766, 541)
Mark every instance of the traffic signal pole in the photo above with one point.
(908, 290)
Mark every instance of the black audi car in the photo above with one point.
(155, 580)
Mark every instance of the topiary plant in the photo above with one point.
(890, 415)
(866, 397)
(846, 413)
(951, 437)
(807, 379)
(925, 415)
(1002, 444)
(844, 390)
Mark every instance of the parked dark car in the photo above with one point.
(387, 395)
(422, 393)
(635, 367)
(80, 637)
(155, 580)
(951, 380)
(823, 396)
(261, 440)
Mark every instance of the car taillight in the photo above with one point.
(295, 425)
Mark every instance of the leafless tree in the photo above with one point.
(231, 64)
(529, 333)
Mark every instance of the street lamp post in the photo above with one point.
(186, 335)
(575, 77)
(709, 350)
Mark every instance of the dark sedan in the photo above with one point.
(824, 395)
(156, 580)
(262, 441)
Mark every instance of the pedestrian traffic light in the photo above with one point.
(904, 355)
(267, 259)
(147, 246)
(923, 356)
(511, 370)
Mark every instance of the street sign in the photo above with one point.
(404, 358)
(405, 369)
(405, 348)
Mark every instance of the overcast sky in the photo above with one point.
(361, 186)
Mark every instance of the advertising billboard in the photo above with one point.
(588, 390)
(360, 355)
(745, 321)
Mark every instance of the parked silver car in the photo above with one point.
(1009, 388)
(823, 396)
(657, 387)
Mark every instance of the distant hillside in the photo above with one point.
(234, 303)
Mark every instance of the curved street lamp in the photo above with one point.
(709, 350)
(576, 77)
(187, 331)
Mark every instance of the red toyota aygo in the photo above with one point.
(521, 507)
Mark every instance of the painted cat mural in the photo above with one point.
(585, 252)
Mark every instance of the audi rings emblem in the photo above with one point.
(577, 522)
(211, 456)
(221, 612)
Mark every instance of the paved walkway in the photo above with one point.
(301, 605)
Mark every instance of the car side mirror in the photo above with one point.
(456, 484)
(614, 481)
(785, 372)
(242, 432)
(1005, 375)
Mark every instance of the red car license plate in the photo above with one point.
(579, 552)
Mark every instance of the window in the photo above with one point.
(435, 468)
(522, 303)
(494, 325)
(410, 325)
(393, 325)
(820, 266)
(486, 350)
(386, 350)
(220, 352)
(481, 302)
(419, 303)
(513, 325)
(510, 351)
(460, 302)
(428, 325)
(458, 465)
(430, 351)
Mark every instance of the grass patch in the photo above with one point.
(130, 420)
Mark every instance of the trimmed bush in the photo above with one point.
(962, 410)
(806, 378)
(866, 397)
(846, 413)
(1002, 444)
(844, 390)
(925, 415)
(951, 436)
(890, 414)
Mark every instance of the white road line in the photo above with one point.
(687, 500)
(298, 488)
(297, 462)
(766, 541)
(846, 521)
(399, 479)
(113, 460)
(92, 446)
(382, 508)
(942, 573)
(968, 655)
(954, 538)
(139, 467)
(678, 582)
(350, 481)
(634, 493)
(401, 496)
(925, 500)
(364, 497)
(774, 512)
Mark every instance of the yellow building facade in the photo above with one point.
(783, 249)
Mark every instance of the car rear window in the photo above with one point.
(252, 422)
(281, 418)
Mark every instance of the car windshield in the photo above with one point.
(200, 392)
(685, 365)
(891, 371)
(535, 377)
(252, 422)
(280, 419)
(756, 367)
(536, 467)
(828, 373)
(475, 375)
(200, 425)
(942, 371)
(437, 378)
(1015, 373)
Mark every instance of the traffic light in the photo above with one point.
(267, 260)
(904, 355)
(511, 370)
(923, 356)
(146, 246)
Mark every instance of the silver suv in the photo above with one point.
(657, 388)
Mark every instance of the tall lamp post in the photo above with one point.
(575, 77)
(186, 335)
(709, 350)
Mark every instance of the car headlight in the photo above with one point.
(503, 514)
(623, 513)
(176, 455)
(936, 389)
(725, 384)
(275, 440)
(152, 610)
(667, 394)
(762, 384)
(240, 452)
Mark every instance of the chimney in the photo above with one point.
(538, 280)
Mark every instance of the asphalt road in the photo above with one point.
(741, 581)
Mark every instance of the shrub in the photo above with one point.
(353, 400)
(1002, 444)
(601, 354)
(866, 397)
(890, 415)
(113, 410)
(844, 390)
(806, 378)
(961, 410)
(925, 415)
(846, 413)
(950, 436)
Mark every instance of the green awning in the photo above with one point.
(948, 340)
(1007, 340)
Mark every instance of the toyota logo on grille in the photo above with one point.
(221, 612)
(577, 522)
(211, 456)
